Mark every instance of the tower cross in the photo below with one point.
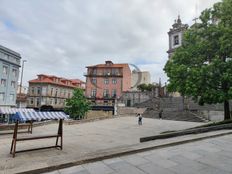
(195, 19)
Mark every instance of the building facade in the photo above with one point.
(51, 91)
(139, 77)
(175, 35)
(130, 98)
(9, 74)
(21, 99)
(109, 80)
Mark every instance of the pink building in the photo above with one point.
(109, 80)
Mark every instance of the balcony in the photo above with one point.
(103, 75)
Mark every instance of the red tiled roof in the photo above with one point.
(42, 78)
(77, 81)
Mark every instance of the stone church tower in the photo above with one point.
(175, 36)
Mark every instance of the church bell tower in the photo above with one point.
(175, 35)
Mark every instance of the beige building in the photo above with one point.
(50, 92)
(139, 77)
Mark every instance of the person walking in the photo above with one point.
(160, 113)
(140, 119)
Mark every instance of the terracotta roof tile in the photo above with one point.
(42, 78)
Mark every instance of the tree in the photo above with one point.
(142, 87)
(202, 67)
(77, 105)
(145, 87)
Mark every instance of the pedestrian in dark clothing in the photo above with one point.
(160, 114)
(140, 119)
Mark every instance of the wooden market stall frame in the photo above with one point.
(27, 126)
(16, 139)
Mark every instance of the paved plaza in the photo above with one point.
(81, 140)
(91, 140)
(211, 156)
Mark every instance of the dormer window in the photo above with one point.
(176, 40)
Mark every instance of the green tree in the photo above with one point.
(77, 105)
(145, 87)
(202, 66)
(142, 87)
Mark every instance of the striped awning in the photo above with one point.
(8, 110)
(37, 116)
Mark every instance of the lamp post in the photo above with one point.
(21, 81)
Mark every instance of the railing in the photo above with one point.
(103, 75)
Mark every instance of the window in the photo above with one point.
(106, 93)
(51, 101)
(2, 96)
(94, 81)
(44, 91)
(114, 81)
(32, 90)
(3, 82)
(51, 91)
(56, 92)
(106, 81)
(60, 101)
(14, 72)
(13, 84)
(176, 40)
(56, 101)
(114, 93)
(107, 72)
(115, 71)
(93, 92)
(38, 91)
(11, 97)
(31, 101)
(5, 68)
(37, 101)
(94, 71)
(6, 56)
(69, 95)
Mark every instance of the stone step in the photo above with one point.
(175, 115)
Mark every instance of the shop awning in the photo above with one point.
(37, 116)
(8, 110)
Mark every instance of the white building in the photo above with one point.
(9, 74)
(139, 77)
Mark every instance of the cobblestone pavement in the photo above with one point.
(211, 156)
(81, 140)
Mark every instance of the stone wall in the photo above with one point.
(130, 98)
(213, 115)
(98, 114)
(130, 110)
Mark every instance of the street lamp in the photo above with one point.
(21, 81)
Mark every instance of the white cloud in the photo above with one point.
(62, 37)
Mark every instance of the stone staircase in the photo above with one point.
(175, 115)
(173, 109)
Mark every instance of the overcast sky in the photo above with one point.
(62, 37)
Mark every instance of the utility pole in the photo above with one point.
(21, 81)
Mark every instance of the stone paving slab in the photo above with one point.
(175, 160)
(82, 141)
